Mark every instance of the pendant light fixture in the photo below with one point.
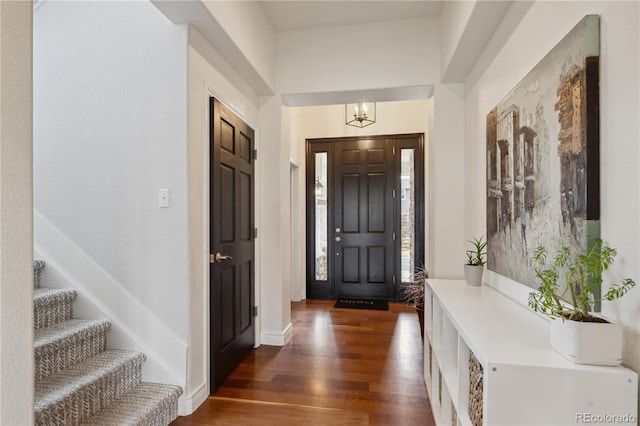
(361, 114)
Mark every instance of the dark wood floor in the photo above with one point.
(342, 367)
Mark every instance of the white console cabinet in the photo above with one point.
(524, 382)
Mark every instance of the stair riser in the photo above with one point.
(38, 266)
(149, 404)
(163, 418)
(91, 398)
(55, 358)
(48, 314)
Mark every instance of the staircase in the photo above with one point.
(78, 381)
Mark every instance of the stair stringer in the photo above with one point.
(134, 326)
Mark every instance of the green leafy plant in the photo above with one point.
(476, 256)
(569, 283)
(413, 291)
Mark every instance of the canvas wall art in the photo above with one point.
(543, 158)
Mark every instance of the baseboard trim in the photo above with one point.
(195, 400)
(277, 339)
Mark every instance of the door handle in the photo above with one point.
(219, 257)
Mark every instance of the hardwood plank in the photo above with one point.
(343, 366)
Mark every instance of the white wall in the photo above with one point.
(446, 207)
(110, 130)
(467, 27)
(380, 55)
(205, 80)
(16, 215)
(328, 122)
(274, 230)
(517, 47)
(250, 29)
(454, 17)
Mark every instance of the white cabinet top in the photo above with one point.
(497, 329)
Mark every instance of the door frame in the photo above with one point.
(209, 93)
(316, 145)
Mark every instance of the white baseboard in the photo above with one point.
(277, 339)
(194, 400)
(133, 325)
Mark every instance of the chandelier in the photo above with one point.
(361, 114)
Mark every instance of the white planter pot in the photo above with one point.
(587, 342)
(473, 274)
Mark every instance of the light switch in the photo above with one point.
(163, 198)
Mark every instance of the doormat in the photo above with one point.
(378, 305)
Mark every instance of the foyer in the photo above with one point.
(105, 103)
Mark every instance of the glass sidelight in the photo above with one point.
(321, 219)
(407, 214)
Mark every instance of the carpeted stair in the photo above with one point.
(78, 381)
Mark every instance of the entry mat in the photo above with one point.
(378, 305)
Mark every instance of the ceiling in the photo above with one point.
(294, 15)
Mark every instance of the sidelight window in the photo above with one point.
(407, 214)
(321, 219)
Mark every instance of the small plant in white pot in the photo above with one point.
(567, 295)
(474, 267)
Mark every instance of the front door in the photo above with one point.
(232, 266)
(365, 215)
(363, 218)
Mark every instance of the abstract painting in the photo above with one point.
(543, 158)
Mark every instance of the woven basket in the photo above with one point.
(476, 375)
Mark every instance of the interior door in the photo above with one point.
(232, 267)
(363, 212)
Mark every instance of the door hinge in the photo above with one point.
(255, 154)
(255, 311)
(212, 258)
(255, 232)
(394, 193)
(394, 279)
(394, 236)
(394, 150)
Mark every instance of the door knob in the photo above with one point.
(219, 257)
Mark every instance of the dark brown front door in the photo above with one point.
(363, 218)
(365, 215)
(232, 293)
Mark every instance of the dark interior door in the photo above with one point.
(363, 218)
(232, 292)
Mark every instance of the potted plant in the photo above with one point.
(569, 290)
(413, 292)
(474, 267)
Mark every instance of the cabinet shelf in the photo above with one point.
(521, 372)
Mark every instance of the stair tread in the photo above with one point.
(43, 294)
(73, 328)
(59, 386)
(137, 406)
